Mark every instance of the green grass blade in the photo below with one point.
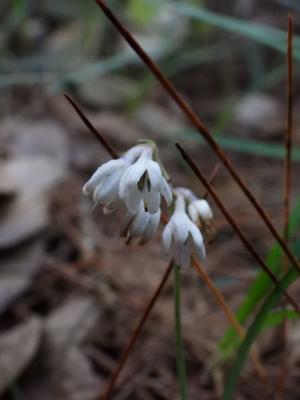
(266, 35)
(277, 317)
(248, 146)
(254, 331)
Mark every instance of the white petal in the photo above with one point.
(103, 171)
(139, 223)
(132, 154)
(155, 174)
(166, 191)
(185, 254)
(133, 200)
(181, 225)
(152, 226)
(193, 213)
(167, 239)
(128, 188)
(204, 210)
(108, 190)
(132, 175)
(151, 200)
(198, 242)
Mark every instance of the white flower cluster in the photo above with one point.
(137, 181)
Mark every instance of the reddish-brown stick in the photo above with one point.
(289, 130)
(91, 128)
(195, 120)
(287, 193)
(136, 333)
(233, 223)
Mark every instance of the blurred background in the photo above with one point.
(71, 290)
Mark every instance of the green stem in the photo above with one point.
(181, 370)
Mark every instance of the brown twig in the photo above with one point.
(287, 193)
(195, 120)
(91, 127)
(289, 131)
(136, 333)
(234, 225)
(212, 178)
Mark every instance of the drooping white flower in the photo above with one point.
(104, 184)
(143, 182)
(200, 212)
(142, 225)
(181, 237)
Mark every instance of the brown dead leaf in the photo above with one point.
(17, 270)
(72, 322)
(17, 348)
(71, 375)
(45, 137)
(27, 213)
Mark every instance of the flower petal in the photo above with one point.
(198, 242)
(108, 190)
(133, 200)
(132, 154)
(132, 175)
(102, 172)
(166, 191)
(181, 224)
(193, 213)
(185, 254)
(139, 223)
(167, 239)
(155, 174)
(151, 200)
(152, 226)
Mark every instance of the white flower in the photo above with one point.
(200, 212)
(181, 237)
(134, 152)
(143, 182)
(104, 184)
(142, 225)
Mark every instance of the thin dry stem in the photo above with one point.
(91, 127)
(234, 225)
(108, 391)
(212, 179)
(195, 120)
(287, 194)
(289, 133)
